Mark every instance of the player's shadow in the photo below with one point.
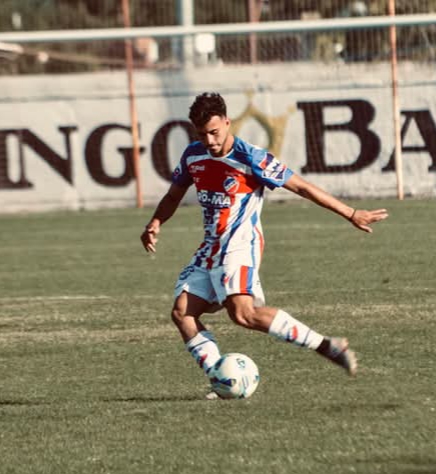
(135, 399)
(20, 403)
(151, 399)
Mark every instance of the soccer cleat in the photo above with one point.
(339, 353)
(212, 396)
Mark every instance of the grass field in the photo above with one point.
(94, 378)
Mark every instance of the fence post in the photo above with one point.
(132, 103)
(395, 104)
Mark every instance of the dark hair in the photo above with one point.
(205, 106)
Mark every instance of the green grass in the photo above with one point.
(94, 378)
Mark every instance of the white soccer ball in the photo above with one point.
(234, 376)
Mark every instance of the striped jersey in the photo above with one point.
(230, 191)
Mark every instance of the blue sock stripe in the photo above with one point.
(307, 336)
(208, 335)
(191, 348)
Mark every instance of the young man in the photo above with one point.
(230, 176)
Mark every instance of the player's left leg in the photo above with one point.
(283, 326)
(240, 290)
(276, 322)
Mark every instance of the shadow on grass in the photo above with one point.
(358, 407)
(21, 403)
(132, 400)
(160, 398)
(404, 465)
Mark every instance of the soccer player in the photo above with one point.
(230, 176)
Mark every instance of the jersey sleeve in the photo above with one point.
(181, 176)
(269, 171)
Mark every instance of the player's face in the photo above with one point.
(215, 135)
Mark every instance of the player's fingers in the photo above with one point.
(150, 245)
(148, 242)
(363, 225)
(144, 239)
(381, 213)
(150, 248)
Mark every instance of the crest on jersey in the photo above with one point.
(231, 185)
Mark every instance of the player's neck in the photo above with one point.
(227, 146)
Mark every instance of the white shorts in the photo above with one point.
(217, 284)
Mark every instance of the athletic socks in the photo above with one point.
(289, 329)
(204, 349)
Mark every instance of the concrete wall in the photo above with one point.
(65, 140)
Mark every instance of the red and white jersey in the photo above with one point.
(230, 192)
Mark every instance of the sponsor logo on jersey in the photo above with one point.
(231, 185)
(266, 161)
(196, 168)
(272, 168)
(213, 199)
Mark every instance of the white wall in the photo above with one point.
(269, 106)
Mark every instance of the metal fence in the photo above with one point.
(417, 43)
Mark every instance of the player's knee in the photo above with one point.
(243, 317)
(177, 315)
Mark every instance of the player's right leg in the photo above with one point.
(200, 342)
(195, 295)
(186, 313)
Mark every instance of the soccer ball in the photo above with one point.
(234, 376)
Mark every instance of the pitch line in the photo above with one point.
(18, 299)
(169, 296)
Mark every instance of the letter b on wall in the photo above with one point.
(362, 114)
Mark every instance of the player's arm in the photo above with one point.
(359, 218)
(164, 210)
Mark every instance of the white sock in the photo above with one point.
(204, 349)
(289, 329)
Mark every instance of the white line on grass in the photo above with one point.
(167, 296)
(11, 299)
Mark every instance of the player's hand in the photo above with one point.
(149, 237)
(363, 219)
